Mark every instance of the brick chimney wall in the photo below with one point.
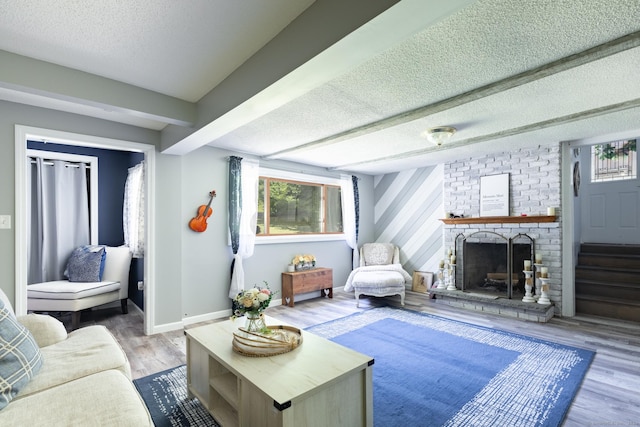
(534, 186)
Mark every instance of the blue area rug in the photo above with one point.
(428, 371)
(431, 371)
(165, 394)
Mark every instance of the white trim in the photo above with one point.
(216, 315)
(295, 176)
(298, 238)
(568, 232)
(24, 133)
(92, 161)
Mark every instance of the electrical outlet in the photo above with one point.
(5, 221)
(140, 285)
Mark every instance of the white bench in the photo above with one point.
(62, 295)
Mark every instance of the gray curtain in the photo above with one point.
(58, 213)
(356, 203)
(235, 203)
(243, 212)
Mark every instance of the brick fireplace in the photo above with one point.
(534, 185)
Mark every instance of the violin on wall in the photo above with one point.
(199, 222)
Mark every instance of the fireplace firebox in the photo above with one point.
(492, 264)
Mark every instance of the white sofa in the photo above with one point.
(63, 295)
(84, 379)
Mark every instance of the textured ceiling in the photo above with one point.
(181, 49)
(505, 73)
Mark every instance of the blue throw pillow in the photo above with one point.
(86, 264)
(20, 357)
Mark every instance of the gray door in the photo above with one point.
(610, 210)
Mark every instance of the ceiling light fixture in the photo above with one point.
(439, 135)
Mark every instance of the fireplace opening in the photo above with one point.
(487, 266)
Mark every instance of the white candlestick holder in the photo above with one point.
(544, 298)
(451, 285)
(528, 284)
(440, 284)
(538, 283)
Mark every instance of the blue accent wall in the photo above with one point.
(113, 167)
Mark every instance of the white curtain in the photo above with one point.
(58, 215)
(250, 174)
(133, 210)
(349, 216)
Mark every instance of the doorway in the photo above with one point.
(610, 193)
(26, 133)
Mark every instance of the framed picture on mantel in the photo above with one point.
(494, 195)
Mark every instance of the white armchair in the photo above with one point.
(380, 273)
(63, 295)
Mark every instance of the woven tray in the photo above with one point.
(282, 339)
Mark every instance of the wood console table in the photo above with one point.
(320, 383)
(300, 282)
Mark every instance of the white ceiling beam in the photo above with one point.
(44, 79)
(328, 39)
(604, 50)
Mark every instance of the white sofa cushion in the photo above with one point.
(63, 289)
(85, 351)
(45, 329)
(106, 398)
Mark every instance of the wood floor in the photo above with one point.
(609, 395)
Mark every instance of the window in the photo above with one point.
(291, 207)
(614, 161)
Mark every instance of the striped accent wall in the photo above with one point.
(407, 212)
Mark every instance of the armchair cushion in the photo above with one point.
(46, 330)
(86, 264)
(20, 357)
(378, 253)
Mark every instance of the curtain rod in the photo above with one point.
(67, 164)
(324, 172)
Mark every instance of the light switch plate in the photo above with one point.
(5, 221)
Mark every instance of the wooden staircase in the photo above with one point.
(608, 281)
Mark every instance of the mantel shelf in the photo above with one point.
(500, 219)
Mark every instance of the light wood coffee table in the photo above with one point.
(320, 383)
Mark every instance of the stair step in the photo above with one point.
(607, 275)
(609, 307)
(604, 248)
(606, 281)
(631, 262)
(624, 291)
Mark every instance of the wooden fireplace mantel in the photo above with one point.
(500, 219)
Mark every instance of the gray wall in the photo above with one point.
(12, 114)
(192, 269)
(408, 209)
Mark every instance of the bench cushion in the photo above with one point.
(376, 279)
(63, 289)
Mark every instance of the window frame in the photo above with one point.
(302, 178)
(594, 158)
